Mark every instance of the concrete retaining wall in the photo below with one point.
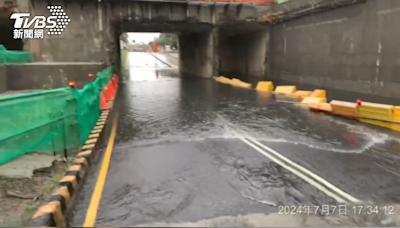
(49, 75)
(355, 48)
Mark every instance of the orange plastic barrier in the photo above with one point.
(245, 85)
(344, 108)
(313, 100)
(111, 91)
(237, 82)
(379, 111)
(396, 117)
(103, 103)
(223, 79)
(285, 89)
(115, 81)
(318, 93)
(301, 94)
(108, 93)
(265, 86)
(326, 107)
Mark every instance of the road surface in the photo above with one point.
(194, 152)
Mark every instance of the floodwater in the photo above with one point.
(194, 152)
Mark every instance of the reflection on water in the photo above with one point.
(264, 98)
(202, 108)
(144, 67)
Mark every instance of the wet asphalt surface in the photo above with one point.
(177, 157)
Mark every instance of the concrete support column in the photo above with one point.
(267, 71)
(244, 54)
(214, 45)
(199, 53)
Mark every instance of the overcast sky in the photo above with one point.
(142, 37)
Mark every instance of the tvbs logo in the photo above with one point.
(55, 23)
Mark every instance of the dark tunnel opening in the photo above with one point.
(243, 51)
(6, 36)
(194, 44)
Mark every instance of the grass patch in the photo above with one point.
(31, 208)
(124, 57)
(47, 190)
(49, 186)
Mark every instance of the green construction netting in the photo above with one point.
(7, 56)
(105, 75)
(49, 121)
(88, 109)
(89, 102)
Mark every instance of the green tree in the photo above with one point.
(139, 47)
(124, 37)
(167, 39)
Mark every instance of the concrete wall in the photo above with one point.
(88, 37)
(3, 79)
(48, 75)
(355, 48)
(196, 53)
(244, 55)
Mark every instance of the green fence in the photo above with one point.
(49, 121)
(7, 56)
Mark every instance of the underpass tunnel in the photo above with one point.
(243, 51)
(6, 36)
(237, 50)
(195, 45)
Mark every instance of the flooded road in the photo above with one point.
(193, 150)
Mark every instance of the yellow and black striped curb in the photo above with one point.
(53, 213)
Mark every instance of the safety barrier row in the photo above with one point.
(54, 211)
(53, 120)
(383, 115)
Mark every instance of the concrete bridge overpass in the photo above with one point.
(208, 33)
(222, 38)
(215, 37)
